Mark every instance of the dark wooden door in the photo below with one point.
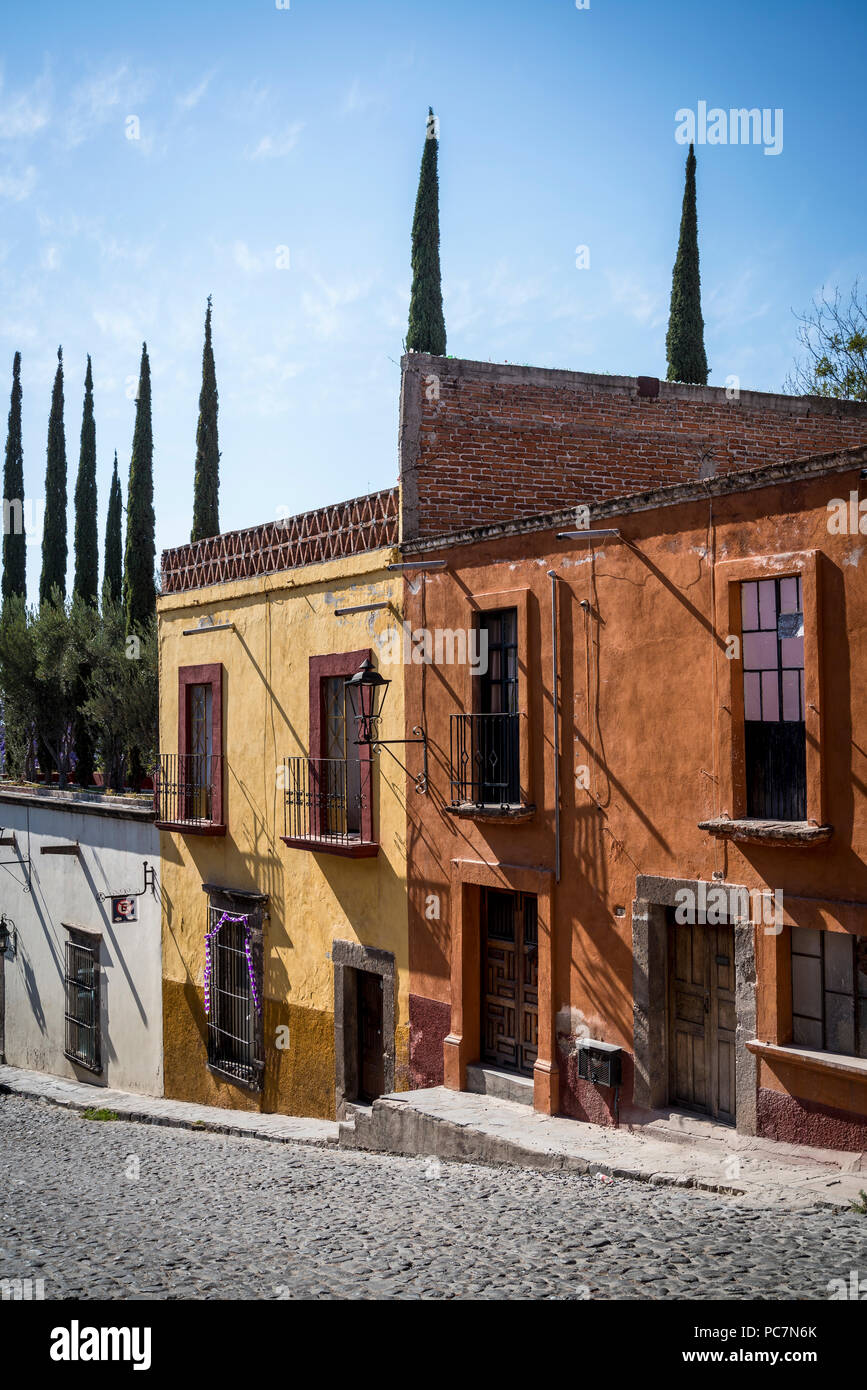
(702, 1019)
(371, 1068)
(510, 980)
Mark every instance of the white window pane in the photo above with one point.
(752, 695)
(767, 603)
(749, 606)
(760, 651)
(770, 696)
(792, 652)
(791, 695)
(789, 595)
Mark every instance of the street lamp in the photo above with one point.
(366, 691)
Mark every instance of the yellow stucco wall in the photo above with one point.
(279, 621)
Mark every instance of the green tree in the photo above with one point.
(14, 539)
(206, 493)
(18, 683)
(684, 343)
(833, 334)
(139, 592)
(427, 329)
(54, 547)
(112, 579)
(121, 700)
(48, 676)
(86, 583)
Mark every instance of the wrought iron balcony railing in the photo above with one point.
(485, 759)
(188, 789)
(327, 802)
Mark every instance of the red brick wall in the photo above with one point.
(483, 442)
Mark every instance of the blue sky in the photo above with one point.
(261, 128)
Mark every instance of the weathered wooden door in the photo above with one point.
(371, 1066)
(510, 980)
(701, 1011)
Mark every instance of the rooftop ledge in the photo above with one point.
(855, 1067)
(469, 810)
(767, 832)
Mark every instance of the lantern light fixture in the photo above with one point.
(366, 692)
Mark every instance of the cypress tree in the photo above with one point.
(206, 493)
(86, 581)
(684, 343)
(427, 329)
(139, 593)
(86, 584)
(14, 539)
(112, 579)
(54, 547)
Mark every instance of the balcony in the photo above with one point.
(188, 793)
(484, 761)
(328, 806)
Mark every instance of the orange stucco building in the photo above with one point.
(641, 859)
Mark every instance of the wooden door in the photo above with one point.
(701, 1004)
(510, 980)
(371, 1066)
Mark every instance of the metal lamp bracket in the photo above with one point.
(420, 778)
(149, 884)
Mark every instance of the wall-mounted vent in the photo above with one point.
(600, 1062)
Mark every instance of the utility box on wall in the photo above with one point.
(600, 1062)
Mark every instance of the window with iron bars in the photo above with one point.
(81, 983)
(235, 1032)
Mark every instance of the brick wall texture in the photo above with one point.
(483, 443)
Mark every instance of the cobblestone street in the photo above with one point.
(124, 1211)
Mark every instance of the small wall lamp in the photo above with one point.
(366, 691)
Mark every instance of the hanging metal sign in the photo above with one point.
(124, 910)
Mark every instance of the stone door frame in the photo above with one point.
(349, 956)
(650, 993)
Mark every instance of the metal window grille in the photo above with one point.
(185, 791)
(484, 758)
(324, 798)
(235, 1037)
(82, 1005)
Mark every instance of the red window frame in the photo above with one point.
(343, 664)
(212, 675)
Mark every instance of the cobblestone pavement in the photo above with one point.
(126, 1211)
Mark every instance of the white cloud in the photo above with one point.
(188, 100)
(17, 187)
(246, 260)
(51, 258)
(274, 147)
(323, 308)
(26, 113)
(113, 95)
(359, 99)
(642, 305)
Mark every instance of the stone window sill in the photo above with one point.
(183, 827)
(767, 832)
(350, 849)
(854, 1067)
(468, 810)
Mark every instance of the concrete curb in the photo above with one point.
(140, 1115)
(398, 1129)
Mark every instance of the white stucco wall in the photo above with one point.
(65, 890)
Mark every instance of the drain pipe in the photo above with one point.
(556, 703)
